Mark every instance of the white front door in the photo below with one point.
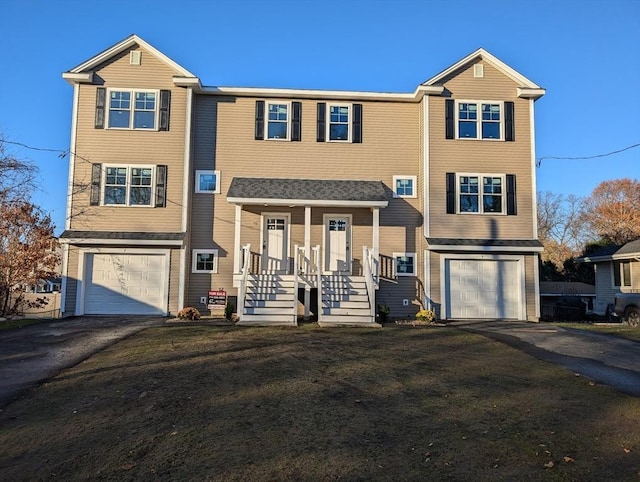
(337, 252)
(275, 244)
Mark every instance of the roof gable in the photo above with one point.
(84, 71)
(526, 87)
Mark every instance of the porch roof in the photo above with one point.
(307, 192)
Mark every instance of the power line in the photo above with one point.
(539, 160)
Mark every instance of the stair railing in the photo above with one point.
(368, 271)
(298, 254)
(242, 293)
(317, 261)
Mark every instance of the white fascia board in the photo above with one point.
(193, 82)
(323, 94)
(123, 45)
(307, 202)
(529, 93)
(78, 78)
(133, 242)
(494, 61)
(487, 249)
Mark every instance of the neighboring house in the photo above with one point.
(300, 202)
(559, 297)
(617, 270)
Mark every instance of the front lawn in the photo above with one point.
(227, 403)
(619, 329)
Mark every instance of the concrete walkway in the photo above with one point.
(603, 358)
(32, 354)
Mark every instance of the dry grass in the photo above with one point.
(619, 329)
(188, 402)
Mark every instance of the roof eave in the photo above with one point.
(78, 78)
(307, 202)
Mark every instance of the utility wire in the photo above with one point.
(539, 160)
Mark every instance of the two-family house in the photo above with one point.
(313, 203)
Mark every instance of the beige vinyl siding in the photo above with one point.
(530, 287)
(481, 157)
(129, 147)
(71, 282)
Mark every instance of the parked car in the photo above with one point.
(627, 305)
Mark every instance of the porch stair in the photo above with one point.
(269, 300)
(345, 301)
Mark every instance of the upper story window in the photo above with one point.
(126, 185)
(476, 119)
(280, 120)
(208, 181)
(481, 193)
(339, 123)
(621, 273)
(404, 186)
(132, 109)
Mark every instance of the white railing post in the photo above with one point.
(368, 277)
(318, 273)
(296, 275)
(246, 261)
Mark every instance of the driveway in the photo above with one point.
(35, 353)
(603, 358)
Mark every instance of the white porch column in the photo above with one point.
(307, 253)
(376, 233)
(237, 249)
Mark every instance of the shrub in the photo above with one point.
(189, 313)
(427, 316)
(229, 309)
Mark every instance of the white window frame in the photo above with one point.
(207, 172)
(128, 167)
(267, 120)
(132, 110)
(481, 194)
(348, 123)
(405, 255)
(194, 260)
(479, 104)
(414, 183)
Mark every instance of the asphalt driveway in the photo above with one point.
(37, 352)
(600, 357)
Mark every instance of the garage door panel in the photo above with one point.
(125, 284)
(482, 289)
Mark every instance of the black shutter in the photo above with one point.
(357, 124)
(451, 193)
(101, 98)
(512, 208)
(259, 120)
(96, 177)
(450, 119)
(509, 132)
(165, 103)
(161, 186)
(322, 127)
(296, 108)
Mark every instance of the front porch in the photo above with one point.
(332, 219)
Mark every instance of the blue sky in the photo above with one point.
(586, 53)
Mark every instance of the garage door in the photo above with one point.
(483, 289)
(125, 284)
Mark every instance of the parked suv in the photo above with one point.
(627, 305)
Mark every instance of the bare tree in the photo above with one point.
(612, 211)
(17, 176)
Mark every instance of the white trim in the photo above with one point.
(520, 259)
(479, 121)
(349, 122)
(65, 277)
(182, 277)
(530, 93)
(200, 172)
(78, 78)
(307, 202)
(405, 255)
(122, 46)
(487, 57)
(333, 95)
(194, 260)
(536, 286)
(72, 155)
(427, 278)
(486, 249)
(186, 169)
(237, 248)
(427, 168)
(152, 187)
(534, 198)
(375, 213)
(132, 109)
(81, 286)
(266, 119)
(413, 179)
(133, 242)
(481, 194)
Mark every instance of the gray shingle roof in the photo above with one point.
(499, 243)
(307, 189)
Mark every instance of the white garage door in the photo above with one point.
(125, 284)
(483, 289)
